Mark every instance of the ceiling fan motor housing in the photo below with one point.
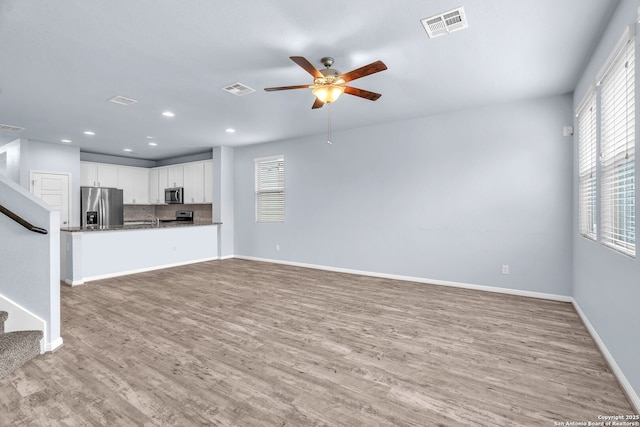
(330, 72)
(331, 76)
(327, 61)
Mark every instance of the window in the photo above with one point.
(617, 150)
(587, 221)
(270, 189)
(606, 152)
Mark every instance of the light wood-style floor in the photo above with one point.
(242, 343)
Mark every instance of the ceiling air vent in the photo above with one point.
(445, 23)
(11, 128)
(122, 100)
(238, 89)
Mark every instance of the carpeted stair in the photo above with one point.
(16, 348)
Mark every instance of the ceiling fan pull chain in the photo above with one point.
(329, 126)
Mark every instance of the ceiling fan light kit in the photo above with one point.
(328, 93)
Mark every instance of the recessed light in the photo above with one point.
(151, 137)
(88, 132)
(153, 144)
(128, 150)
(66, 141)
(168, 114)
(230, 130)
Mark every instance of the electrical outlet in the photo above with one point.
(505, 269)
(277, 247)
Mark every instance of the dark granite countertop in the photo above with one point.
(138, 225)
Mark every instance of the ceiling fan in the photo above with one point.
(329, 84)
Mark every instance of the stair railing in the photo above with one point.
(22, 222)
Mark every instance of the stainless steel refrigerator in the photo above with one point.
(101, 207)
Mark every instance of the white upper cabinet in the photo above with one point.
(193, 180)
(107, 175)
(175, 176)
(125, 179)
(98, 175)
(154, 187)
(143, 186)
(198, 184)
(135, 185)
(208, 181)
(88, 174)
(158, 181)
(163, 182)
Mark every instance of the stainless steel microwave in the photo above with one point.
(173, 195)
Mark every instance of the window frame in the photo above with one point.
(269, 195)
(587, 166)
(616, 121)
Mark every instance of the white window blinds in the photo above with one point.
(587, 206)
(617, 150)
(269, 189)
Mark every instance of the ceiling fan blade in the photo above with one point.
(271, 89)
(308, 66)
(371, 96)
(317, 104)
(374, 67)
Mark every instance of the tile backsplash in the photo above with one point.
(201, 212)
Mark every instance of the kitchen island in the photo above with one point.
(93, 253)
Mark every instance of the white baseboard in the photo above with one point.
(21, 319)
(617, 372)
(540, 295)
(141, 270)
(54, 345)
(227, 257)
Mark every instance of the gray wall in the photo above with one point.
(223, 203)
(46, 157)
(142, 163)
(23, 156)
(451, 197)
(607, 284)
(185, 159)
(12, 153)
(29, 262)
(116, 160)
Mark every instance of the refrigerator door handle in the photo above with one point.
(101, 204)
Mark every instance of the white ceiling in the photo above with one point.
(62, 60)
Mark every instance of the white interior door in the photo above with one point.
(53, 188)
